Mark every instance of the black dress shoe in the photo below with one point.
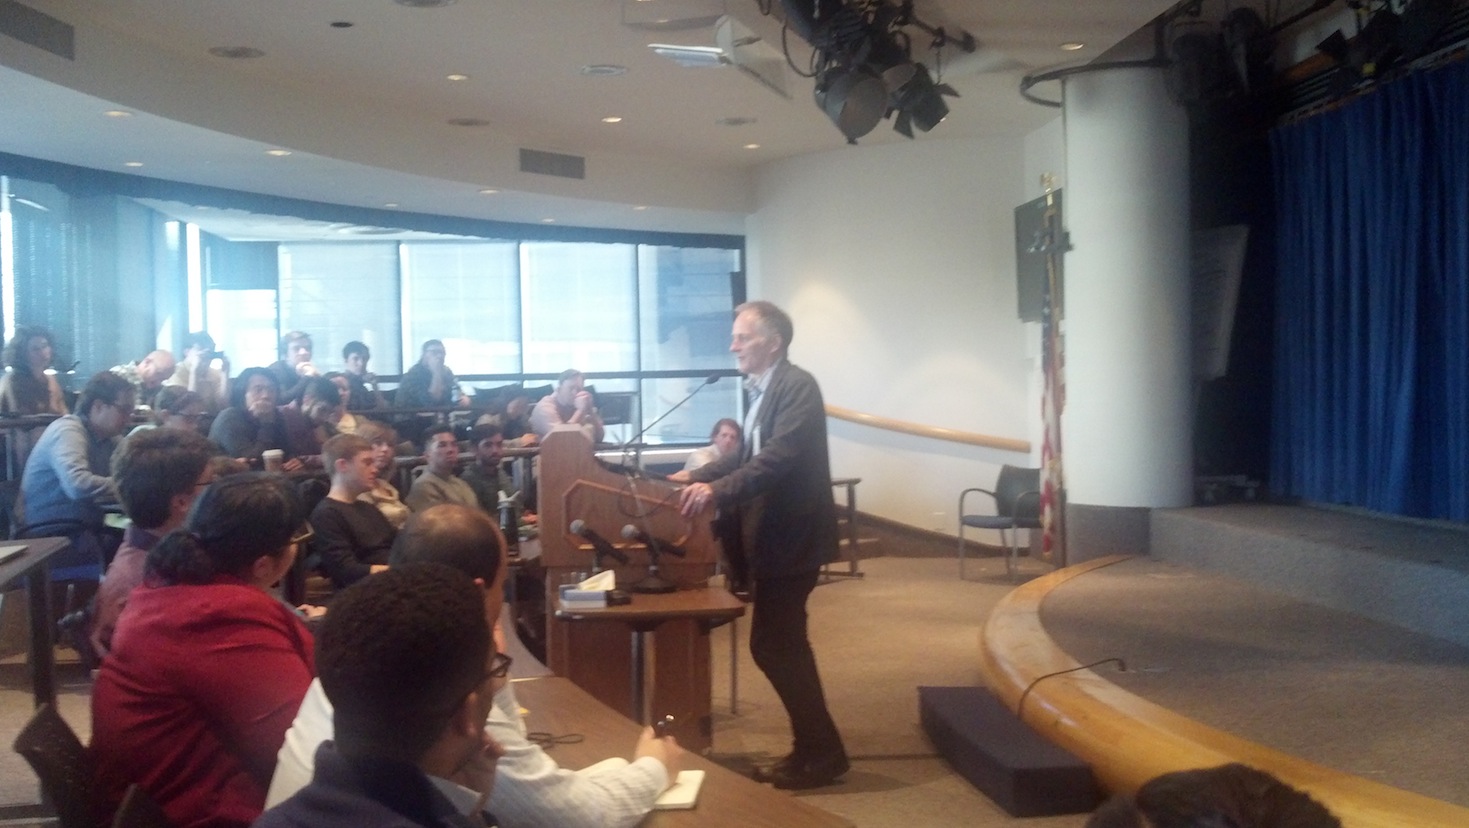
(796, 774)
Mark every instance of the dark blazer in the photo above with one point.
(365, 793)
(782, 496)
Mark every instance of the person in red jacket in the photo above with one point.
(207, 668)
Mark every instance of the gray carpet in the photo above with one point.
(1333, 687)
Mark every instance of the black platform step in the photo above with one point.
(1002, 756)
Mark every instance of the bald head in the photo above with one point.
(154, 368)
(454, 535)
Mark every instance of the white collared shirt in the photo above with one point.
(757, 386)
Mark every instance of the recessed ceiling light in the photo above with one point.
(236, 52)
(457, 76)
(641, 207)
(391, 204)
(279, 153)
(132, 163)
(1073, 46)
(548, 221)
(118, 113)
(468, 122)
(342, 24)
(488, 191)
(424, 4)
(612, 119)
(603, 70)
(752, 146)
(734, 121)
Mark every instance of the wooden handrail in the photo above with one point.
(1128, 740)
(931, 432)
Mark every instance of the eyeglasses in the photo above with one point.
(305, 533)
(499, 666)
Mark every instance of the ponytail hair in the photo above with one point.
(235, 521)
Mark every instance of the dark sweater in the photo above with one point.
(349, 539)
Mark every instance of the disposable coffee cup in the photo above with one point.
(274, 459)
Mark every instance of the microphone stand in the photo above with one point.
(710, 380)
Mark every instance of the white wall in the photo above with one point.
(897, 263)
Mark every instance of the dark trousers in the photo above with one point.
(782, 651)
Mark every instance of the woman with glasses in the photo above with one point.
(207, 667)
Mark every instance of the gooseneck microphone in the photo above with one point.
(653, 582)
(708, 381)
(604, 549)
(633, 533)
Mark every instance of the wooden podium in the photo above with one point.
(596, 653)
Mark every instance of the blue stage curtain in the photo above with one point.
(1371, 401)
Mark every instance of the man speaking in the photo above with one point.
(777, 493)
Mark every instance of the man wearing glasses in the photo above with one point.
(530, 788)
(410, 665)
(65, 489)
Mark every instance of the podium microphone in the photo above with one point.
(653, 583)
(709, 380)
(633, 533)
(603, 548)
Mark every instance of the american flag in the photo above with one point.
(1053, 395)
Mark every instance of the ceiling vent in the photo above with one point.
(541, 162)
(39, 30)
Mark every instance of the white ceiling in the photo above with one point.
(364, 109)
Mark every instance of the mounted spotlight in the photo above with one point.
(920, 102)
(855, 99)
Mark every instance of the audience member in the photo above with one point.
(352, 537)
(26, 387)
(724, 439)
(383, 494)
(430, 383)
(569, 404)
(147, 374)
(175, 407)
(408, 662)
(484, 475)
(197, 372)
(342, 418)
(516, 422)
(294, 367)
(321, 408)
(530, 788)
(158, 474)
(1229, 796)
(65, 487)
(206, 668)
(438, 483)
(254, 424)
(363, 393)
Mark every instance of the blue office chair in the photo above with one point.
(1017, 505)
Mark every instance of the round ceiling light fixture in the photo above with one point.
(236, 52)
(603, 70)
(467, 122)
(425, 4)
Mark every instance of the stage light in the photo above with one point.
(854, 99)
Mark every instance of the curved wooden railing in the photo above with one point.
(1129, 740)
(931, 432)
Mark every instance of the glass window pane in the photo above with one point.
(339, 292)
(580, 307)
(693, 422)
(466, 294)
(686, 306)
(242, 323)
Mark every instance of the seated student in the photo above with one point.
(352, 538)
(159, 474)
(1233, 795)
(196, 372)
(253, 423)
(408, 662)
(294, 367)
(321, 409)
(66, 486)
(175, 407)
(569, 404)
(363, 392)
(438, 482)
(383, 494)
(484, 475)
(724, 439)
(207, 667)
(530, 788)
(430, 383)
(147, 374)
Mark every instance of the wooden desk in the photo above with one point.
(727, 800)
(711, 606)
(34, 564)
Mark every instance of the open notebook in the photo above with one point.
(681, 795)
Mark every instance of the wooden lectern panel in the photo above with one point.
(597, 655)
